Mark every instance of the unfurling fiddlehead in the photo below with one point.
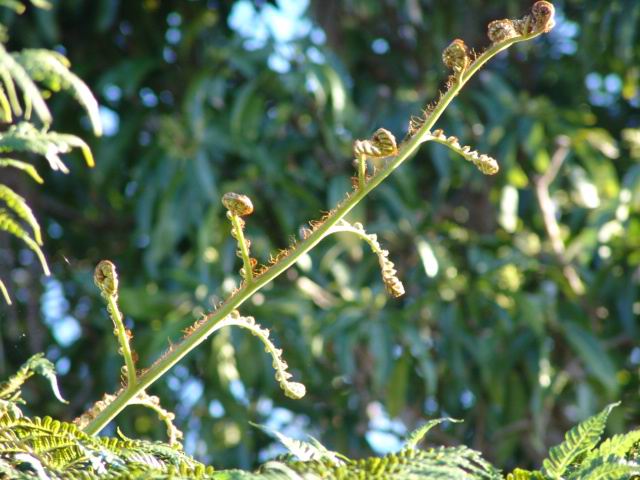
(238, 206)
(502, 33)
(174, 434)
(392, 283)
(501, 30)
(382, 144)
(106, 279)
(485, 163)
(294, 390)
(456, 57)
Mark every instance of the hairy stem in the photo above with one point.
(211, 323)
(236, 221)
(362, 170)
(123, 339)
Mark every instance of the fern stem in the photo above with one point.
(343, 227)
(123, 339)
(362, 170)
(236, 221)
(212, 322)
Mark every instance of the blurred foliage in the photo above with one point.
(518, 327)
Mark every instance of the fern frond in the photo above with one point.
(304, 451)
(64, 451)
(20, 208)
(12, 74)
(294, 390)
(618, 445)
(520, 474)
(605, 468)
(52, 70)
(37, 364)
(20, 165)
(8, 224)
(5, 106)
(12, 93)
(452, 463)
(419, 433)
(25, 137)
(105, 277)
(578, 441)
(485, 163)
(392, 283)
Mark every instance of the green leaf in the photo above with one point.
(19, 206)
(605, 468)
(618, 445)
(52, 69)
(9, 225)
(11, 71)
(397, 385)
(304, 451)
(578, 441)
(41, 366)
(594, 356)
(5, 106)
(520, 474)
(24, 166)
(418, 434)
(37, 364)
(25, 137)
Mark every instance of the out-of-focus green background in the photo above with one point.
(519, 332)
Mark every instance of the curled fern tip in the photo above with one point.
(237, 204)
(543, 13)
(456, 56)
(501, 30)
(106, 278)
